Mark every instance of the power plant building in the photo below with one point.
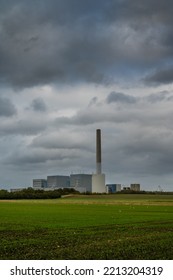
(92, 183)
(135, 187)
(39, 183)
(81, 182)
(113, 188)
(58, 181)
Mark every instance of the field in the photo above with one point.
(120, 226)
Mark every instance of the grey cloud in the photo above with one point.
(73, 41)
(164, 76)
(40, 156)
(22, 127)
(152, 152)
(93, 101)
(139, 150)
(98, 116)
(62, 141)
(38, 104)
(120, 97)
(58, 52)
(7, 108)
(133, 110)
(140, 14)
(158, 97)
(33, 158)
(85, 117)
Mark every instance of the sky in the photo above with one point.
(69, 67)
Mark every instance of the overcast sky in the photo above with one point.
(68, 67)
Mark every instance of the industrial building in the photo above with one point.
(39, 183)
(81, 182)
(113, 188)
(94, 183)
(58, 181)
(98, 179)
(135, 187)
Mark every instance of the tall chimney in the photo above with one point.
(98, 152)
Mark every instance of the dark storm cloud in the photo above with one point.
(44, 42)
(164, 76)
(72, 41)
(155, 10)
(120, 97)
(7, 109)
(38, 104)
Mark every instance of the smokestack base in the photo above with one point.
(98, 183)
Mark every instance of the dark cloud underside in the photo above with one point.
(7, 109)
(164, 76)
(73, 41)
(120, 97)
(38, 105)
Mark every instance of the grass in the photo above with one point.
(88, 227)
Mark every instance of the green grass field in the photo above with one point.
(88, 227)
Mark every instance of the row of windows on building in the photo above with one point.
(79, 182)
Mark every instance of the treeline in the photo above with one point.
(30, 193)
(144, 192)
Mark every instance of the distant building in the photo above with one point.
(58, 181)
(135, 187)
(39, 183)
(81, 182)
(113, 188)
